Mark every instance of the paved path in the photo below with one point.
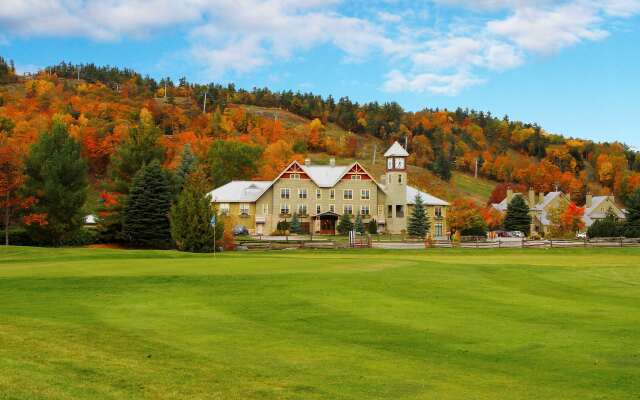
(396, 245)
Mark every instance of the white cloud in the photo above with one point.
(549, 30)
(438, 55)
(442, 84)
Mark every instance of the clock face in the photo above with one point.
(399, 163)
(389, 163)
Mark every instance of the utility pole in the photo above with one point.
(165, 88)
(375, 150)
(78, 72)
(476, 173)
(204, 104)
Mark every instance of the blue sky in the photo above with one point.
(570, 65)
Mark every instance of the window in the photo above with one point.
(364, 209)
(302, 209)
(318, 209)
(356, 177)
(224, 208)
(318, 194)
(265, 209)
(389, 163)
(390, 211)
(438, 212)
(332, 208)
(399, 178)
(332, 194)
(347, 194)
(284, 193)
(399, 211)
(364, 194)
(294, 176)
(348, 209)
(244, 208)
(284, 208)
(380, 211)
(438, 230)
(302, 193)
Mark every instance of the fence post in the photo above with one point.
(477, 245)
(551, 243)
(522, 243)
(621, 245)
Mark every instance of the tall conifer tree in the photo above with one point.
(517, 217)
(419, 224)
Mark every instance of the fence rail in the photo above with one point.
(546, 244)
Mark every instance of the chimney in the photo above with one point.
(589, 202)
(509, 194)
(307, 161)
(532, 197)
(332, 162)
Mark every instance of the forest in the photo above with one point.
(123, 120)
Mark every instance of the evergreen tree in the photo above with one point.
(191, 216)
(294, 226)
(517, 217)
(442, 166)
(358, 225)
(606, 227)
(344, 224)
(57, 181)
(632, 223)
(141, 147)
(372, 227)
(146, 221)
(419, 224)
(187, 165)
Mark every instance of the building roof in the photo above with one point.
(326, 175)
(591, 214)
(548, 198)
(502, 206)
(396, 150)
(239, 191)
(427, 199)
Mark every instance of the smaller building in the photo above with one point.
(541, 205)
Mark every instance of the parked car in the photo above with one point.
(516, 234)
(581, 235)
(240, 230)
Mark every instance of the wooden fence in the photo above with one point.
(542, 244)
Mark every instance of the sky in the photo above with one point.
(571, 66)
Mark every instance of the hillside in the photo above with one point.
(103, 107)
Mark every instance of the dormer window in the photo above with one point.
(356, 177)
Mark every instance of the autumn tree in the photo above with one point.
(11, 179)
(566, 221)
(465, 216)
(56, 179)
(517, 217)
(146, 214)
(231, 160)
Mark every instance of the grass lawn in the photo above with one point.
(440, 324)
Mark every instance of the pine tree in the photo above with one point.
(191, 217)
(146, 221)
(294, 226)
(632, 223)
(358, 225)
(187, 165)
(372, 227)
(57, 181)
(344, 224)
(517, 217)
(419, 224)
(607, 227)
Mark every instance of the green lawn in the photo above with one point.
(440, 324)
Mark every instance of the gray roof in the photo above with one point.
(239, 191)
(396, 150)
(427, 199)
(326, 175)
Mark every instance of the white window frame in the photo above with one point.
(244, 208)
(294, 176)
(284, 209)
(332, 194)
(318, 208)
(356, 177)
(362, 194)
(224, 208)
(302, 209)
(437, 212)
(362, 207)
(344, 209)
(439, 229)
(332, 208)
(303, 193)
(344, 194)
(285, 193)
(318, 194)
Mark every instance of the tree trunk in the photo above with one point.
(6, 220)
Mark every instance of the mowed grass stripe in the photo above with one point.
(340, 325)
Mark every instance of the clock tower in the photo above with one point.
(396, 187)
